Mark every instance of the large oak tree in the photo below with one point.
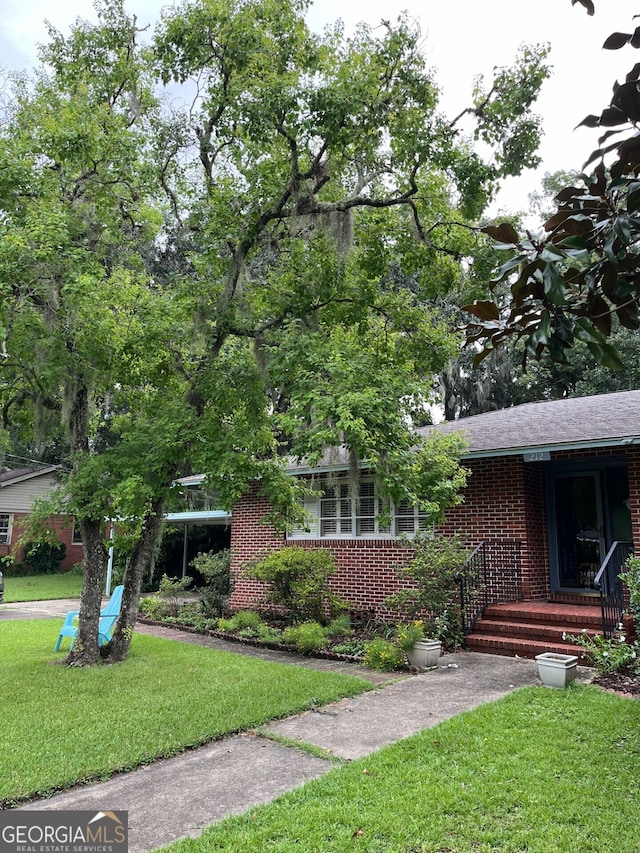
(243, 269)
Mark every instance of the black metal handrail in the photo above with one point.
(609, 584)
(492, 573)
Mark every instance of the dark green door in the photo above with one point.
(580, 534)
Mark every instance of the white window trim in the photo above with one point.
(313, 505)
(9, 517)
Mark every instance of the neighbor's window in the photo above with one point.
(76, 538)
(339, 509)
(5, 528)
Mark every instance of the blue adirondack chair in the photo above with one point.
(108, 618)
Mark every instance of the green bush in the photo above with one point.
(383, 655)
(215, 568)
(352, 647)
(246, 619)
(297, 580)
(43, 557)
(607, 655)
(267, 634)
(632, 579)
(436, 562)
(340, 627)
(306, 637)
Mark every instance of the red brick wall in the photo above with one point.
(633, 473)
(504, 500)
(62, 527)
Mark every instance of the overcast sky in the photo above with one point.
(462, 38)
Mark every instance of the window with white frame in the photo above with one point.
(6, 523)
(76, 536)
(337, 508)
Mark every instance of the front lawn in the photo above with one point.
(542, 771)
(59, 725)
(42, 587)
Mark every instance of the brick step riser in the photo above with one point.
(522, 648)
(527, 629)
(572, 620)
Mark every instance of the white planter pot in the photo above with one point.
(424, 654)
(557, 670)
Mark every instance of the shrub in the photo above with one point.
(436, 562)
(298, 581)
(306, 637)
(267, 634)
(632, 579)
(383, 655)
(340, 627)
(43, 557)
(352, 647)
(604, 654)
(171, 592)
(246, 619)
(215, 568)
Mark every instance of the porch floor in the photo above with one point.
(528, 628)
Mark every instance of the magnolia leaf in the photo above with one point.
(569, 193)
(612, 117)
(588, 5)
(616, 41)
(554, 288)
(600, 314)
(484, 310)
(586, 332)
(634, 74)
(606, 355)
(589, 121)
(503, 233)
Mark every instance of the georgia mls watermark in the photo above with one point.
(63, 832)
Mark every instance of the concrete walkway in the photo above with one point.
(178, 797)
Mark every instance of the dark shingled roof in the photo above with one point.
(604, 420)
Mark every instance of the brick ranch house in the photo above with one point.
(19, 488)
(553, 490)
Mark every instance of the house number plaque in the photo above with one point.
(537, 456)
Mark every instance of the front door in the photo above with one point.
(579, 530)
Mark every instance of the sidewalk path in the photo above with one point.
(178, 797)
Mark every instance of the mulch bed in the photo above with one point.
(624, 684)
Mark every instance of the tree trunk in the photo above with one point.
(85, 648)
(140, 560)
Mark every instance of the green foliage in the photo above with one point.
(408, 634)
(43, 557)
(631, 578)
(243, 619)
(167, 601)
(353, 648)
(383, 655)
(607, 655)
(215, 568)
(432, 570)
(339, 627)
(254, 255)
(297, 580)
(307, 637)
(267, 634)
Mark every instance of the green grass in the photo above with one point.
(42, 587)
(540, 771)
(59, 724)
